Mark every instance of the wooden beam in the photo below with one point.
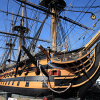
(20, 16)
(24, 36)
(44, 9)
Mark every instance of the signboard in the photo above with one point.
(12, 99)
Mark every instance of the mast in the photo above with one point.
(55, 6)
(21, 29)
(20, 32)
(54, 30)
(11, 40)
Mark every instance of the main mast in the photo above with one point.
(55, 6)
(54, 42)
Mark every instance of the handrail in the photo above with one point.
(74, 60)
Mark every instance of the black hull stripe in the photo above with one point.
(29, 78)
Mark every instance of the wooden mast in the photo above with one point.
(55, 6)
(11, 40)
(20, 32)
(53, 30)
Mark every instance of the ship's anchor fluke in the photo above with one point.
(49, 86)
(17, 63)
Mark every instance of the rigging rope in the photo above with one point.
(17, 16)
(7, 6)
(81, 17)
(33, 42)
(87, 7)
(75, 20)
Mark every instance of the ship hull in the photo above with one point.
(56, 84)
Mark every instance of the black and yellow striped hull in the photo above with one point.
(81, 74)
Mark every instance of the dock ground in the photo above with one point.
(19, 98)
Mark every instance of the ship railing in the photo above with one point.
(72, 56)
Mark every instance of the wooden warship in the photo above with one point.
(51, 73)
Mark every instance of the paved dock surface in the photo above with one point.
(21, 98)
(2, 98)
(18, 98)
